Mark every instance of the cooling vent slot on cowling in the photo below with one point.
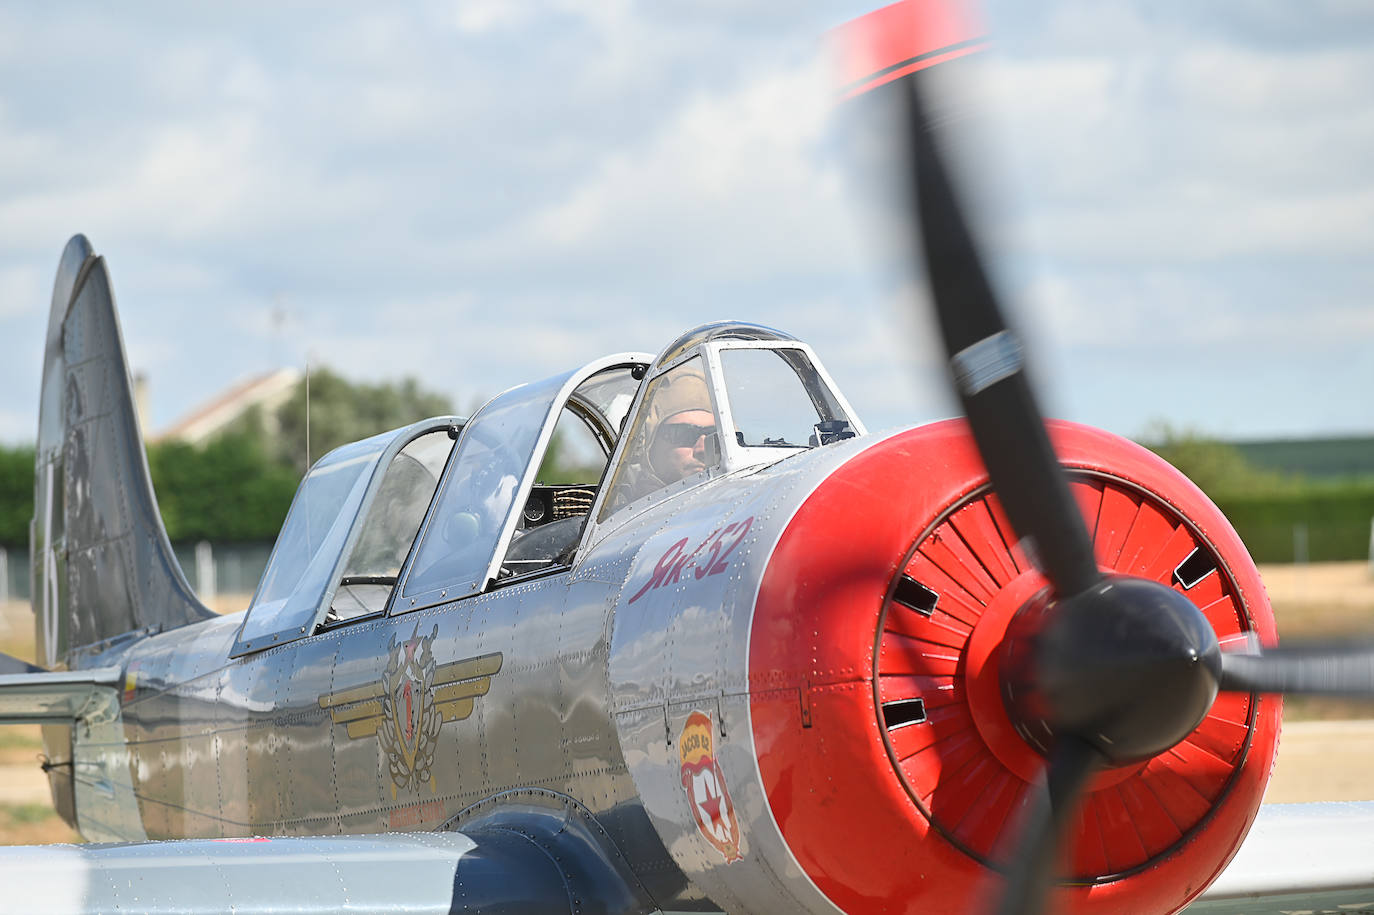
(903, 712)
(913, 595)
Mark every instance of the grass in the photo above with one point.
(21, 737)
(33, 824)
(20, 745)
(26, 814)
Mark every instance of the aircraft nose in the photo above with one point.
(892, 765)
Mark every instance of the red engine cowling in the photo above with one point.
(891, 767)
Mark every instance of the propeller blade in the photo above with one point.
(986, 361)
(1326, 670)
(1031, 874)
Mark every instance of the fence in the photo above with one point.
(1316, 524)
(234, 568)
(1302, 542)
(221, 568)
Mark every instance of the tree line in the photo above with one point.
(239, 485)
(1281, 517)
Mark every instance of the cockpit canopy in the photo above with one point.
(721, 398)
(447, 508)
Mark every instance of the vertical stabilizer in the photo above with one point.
(102, 564)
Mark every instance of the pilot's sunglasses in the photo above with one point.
(683, 435)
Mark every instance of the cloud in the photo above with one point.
(485, 193)
(21, 290)
(733, 184)
(1193, 150)
(480, 16)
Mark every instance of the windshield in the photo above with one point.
(775, 398)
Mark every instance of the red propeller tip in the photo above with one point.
(907, 36)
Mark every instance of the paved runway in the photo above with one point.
(1324, 761)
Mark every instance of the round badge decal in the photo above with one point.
(704, 783)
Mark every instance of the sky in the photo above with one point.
(1178, 197)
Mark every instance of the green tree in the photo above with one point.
(562, 465)
(16, 495)
(239, 486)
(1213, 465)
(228, 489)
(342, 411)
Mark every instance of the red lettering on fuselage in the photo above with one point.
(415, 815)
(661, 569)
(675, 560)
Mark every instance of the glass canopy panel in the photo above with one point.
(386, 532)
(464, 527)
(576, 454)
(491, 475)
(399, 506)
(610, 394)
(311, 541)
(775, 397)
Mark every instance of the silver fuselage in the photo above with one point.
(600, 666)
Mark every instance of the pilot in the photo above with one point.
(676, 442)
(679, 422)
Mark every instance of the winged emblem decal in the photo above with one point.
(406, 708)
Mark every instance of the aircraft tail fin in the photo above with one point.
(102, 565)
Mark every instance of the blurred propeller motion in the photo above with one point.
(1116, 669)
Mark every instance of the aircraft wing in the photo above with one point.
(521, 858)
(1309, 858)
(410, 873)
(58, 697)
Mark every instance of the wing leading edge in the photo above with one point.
(1312, 858)
(410, 873)
(528, 851)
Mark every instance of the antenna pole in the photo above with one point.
(305, 488)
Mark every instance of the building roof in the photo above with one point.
(268, 391)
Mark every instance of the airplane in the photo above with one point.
(764, 660)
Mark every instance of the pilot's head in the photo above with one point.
(682, 421)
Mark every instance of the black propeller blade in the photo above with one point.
(1043, 834)
(1324, 670)
(987, 365)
